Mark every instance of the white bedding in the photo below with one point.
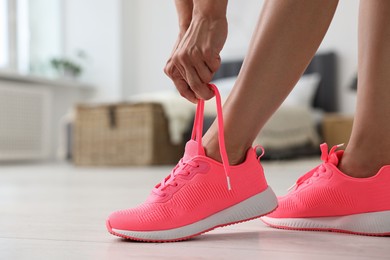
(294, 123)
(290, 126)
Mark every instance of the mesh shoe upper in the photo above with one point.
(195, 189)
(326, 192)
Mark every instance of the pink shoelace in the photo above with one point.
(326, 157)
(184, 168)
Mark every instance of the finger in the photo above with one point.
(169, 64)
(192, 78)
(180, 84)
(203, 71)
(184, 63)
(201, 67)
(201, 89)
(213, 63)
(174, 71)
(185, 90)
(169, 68)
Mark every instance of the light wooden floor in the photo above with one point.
(58, 212)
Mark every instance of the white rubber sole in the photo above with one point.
(371, 224)
(253, 207)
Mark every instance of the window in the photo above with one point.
(4, 39)
(30, 35)
(23, 35)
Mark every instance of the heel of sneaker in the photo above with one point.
(256, 206)
(369, 224)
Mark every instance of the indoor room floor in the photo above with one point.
(58, 211)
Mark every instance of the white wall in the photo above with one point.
(150, 30)
(95, 27)
(153, 31)
(242, 19)
(153, 27)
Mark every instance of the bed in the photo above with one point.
(294, 129)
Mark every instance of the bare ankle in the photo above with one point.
(354, 169)
(360, 165)
(235, 155)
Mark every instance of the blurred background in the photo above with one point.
(82, 81)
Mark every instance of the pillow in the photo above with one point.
(304, 91)
(302, 94)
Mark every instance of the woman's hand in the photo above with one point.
(179, 81)
(195, 58)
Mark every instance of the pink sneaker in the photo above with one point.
(199, 195)
(325, 199)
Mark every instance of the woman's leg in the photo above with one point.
(287, 36)
(369, 147)
(326, 198)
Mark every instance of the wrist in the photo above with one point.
(211, 9)
(184, 23)
(184, 10)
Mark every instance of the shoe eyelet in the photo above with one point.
(175, 184)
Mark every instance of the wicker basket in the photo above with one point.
(123, 134)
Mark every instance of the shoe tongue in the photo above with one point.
(191, 150)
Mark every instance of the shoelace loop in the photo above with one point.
(184, 168)
(326, 157)
(262, 151)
